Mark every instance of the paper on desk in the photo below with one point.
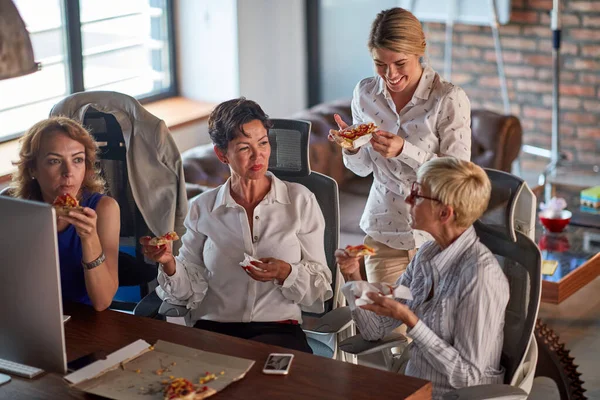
(143, 377)
(112, 361)
(356, 292)
(549, 266)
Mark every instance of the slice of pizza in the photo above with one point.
(65, 203)
(346, 138)
(164, 239)
(360, 250)
(182, 389)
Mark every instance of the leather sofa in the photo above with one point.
(496, 141)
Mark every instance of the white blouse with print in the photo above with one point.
(436, 122)
(287, 225)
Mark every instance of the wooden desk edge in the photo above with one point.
(424, 393)
(557, 292)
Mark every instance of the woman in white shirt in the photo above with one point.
(460, 293)
(254, 213)
(420, 116)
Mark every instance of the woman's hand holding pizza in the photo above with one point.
(349, 265)
(84, 222)
(162, 254)
(341, 125)
(387, 144)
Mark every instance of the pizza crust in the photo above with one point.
(361, 130)
(63, 211)
(65, 203)
(158, 241)
(360, 250)
(164, 239)
(193, 392)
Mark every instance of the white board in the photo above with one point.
(472, 12)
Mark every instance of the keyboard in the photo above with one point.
(17, 369)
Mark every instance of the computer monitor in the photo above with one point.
(31, 314)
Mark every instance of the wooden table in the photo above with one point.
(311, 377)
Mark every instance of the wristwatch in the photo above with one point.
(93, 264)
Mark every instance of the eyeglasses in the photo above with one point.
(414, 194)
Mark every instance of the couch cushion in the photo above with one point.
(202, 167)
(495, 140)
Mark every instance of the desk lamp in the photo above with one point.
(16, 53)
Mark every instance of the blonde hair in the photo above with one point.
(460, 184)
(397, 30)
(23, 184)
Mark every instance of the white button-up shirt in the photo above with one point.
(435, 122)
(458, 339)
(287, 225)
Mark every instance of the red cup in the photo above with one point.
(555, 221)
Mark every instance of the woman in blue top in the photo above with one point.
(58, 156)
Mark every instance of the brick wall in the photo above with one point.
(527, 48)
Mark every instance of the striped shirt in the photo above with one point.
(458, 339)
(435, 122)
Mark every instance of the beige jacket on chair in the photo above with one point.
(154, 164)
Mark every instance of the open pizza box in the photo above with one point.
(141, 371)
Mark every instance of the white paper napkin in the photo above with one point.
(356, 292)
(246, 264)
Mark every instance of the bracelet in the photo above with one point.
(93, 264)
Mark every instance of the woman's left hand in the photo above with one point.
(387, 144)
(274, 269)
(387, 307)
(84, 222)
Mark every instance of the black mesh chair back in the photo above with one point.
(133, 270)
(289, 148)
(521, 262)
(289, 161)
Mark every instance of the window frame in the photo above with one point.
(75, 51)
(74, 56)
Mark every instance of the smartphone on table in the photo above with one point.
(278, 364)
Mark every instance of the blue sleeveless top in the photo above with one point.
(69, 251)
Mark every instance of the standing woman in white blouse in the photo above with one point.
(420, 116)
(279, 223)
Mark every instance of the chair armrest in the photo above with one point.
(172, 310)
(359, 346)
(148, 306)
(500, 392)
(334, 321)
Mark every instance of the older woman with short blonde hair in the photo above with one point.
(460, 293)
(461, 185)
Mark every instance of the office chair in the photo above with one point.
(289, 161)
(108, 116)
(521, 262)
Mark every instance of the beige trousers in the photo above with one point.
(388, 264)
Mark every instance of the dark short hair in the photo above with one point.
(226, 121)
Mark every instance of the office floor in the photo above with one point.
(577, 321)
